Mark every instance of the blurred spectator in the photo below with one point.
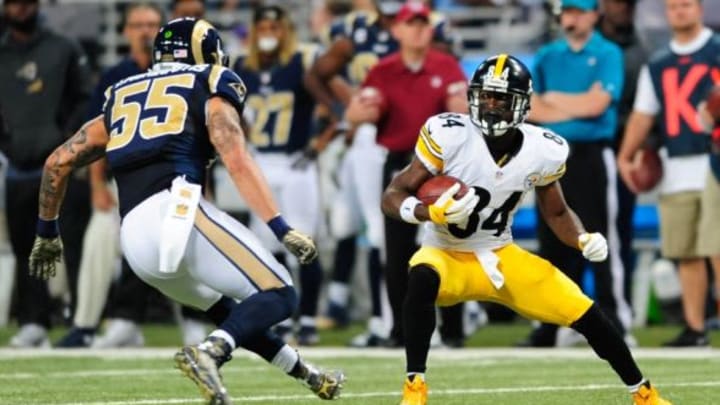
(672, 86)
(101, 246)
(280, 110)
(43, 90)
(616, 24)
(578, 82)
(187, 8)
(358, 41)
(438, 85)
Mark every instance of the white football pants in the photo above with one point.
(222, 256)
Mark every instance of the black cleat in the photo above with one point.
(689, 338)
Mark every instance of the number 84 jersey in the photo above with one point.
(450, 144)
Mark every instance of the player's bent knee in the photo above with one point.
(289, 297)
(423, 284)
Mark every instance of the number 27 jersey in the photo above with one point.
(449, 144)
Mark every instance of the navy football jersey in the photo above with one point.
(157, 128)
(280, 106)
(681, 83)
(370, 41)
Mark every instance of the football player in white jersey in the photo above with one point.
(468, 252)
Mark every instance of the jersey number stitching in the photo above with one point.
(497, 220)
(175, 110)
(279, 105)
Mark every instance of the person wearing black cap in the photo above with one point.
(43, 90)
(280, 113)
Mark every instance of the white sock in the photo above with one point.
(634, 388)
(286, 359)
(307, 321)
(338, 293)
(417, 375)
(219, 333)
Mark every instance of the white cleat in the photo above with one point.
(30, 335)
(120, 333)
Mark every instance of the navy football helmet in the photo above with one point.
(191, 41)
(499, 95)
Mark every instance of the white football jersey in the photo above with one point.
(450, 144)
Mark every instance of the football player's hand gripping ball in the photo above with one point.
(447, 210)
(45, 255)
(300, 245)
(594, 246)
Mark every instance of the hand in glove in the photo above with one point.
(45, 255)
(300, 245)
(594, 246)
(447, 210)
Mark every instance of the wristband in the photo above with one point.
(47, 228)
(407, 210)
(279, 226)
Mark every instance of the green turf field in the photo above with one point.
(467, 376)
(486, 373)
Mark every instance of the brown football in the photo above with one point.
(649, 171)
(429, 192)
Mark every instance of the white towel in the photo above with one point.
(178, 223)
(489, 262)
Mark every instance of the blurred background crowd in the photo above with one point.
(305, 62)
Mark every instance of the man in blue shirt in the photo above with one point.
(578, 82)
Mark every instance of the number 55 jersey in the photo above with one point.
(157, 127)
(449, 144)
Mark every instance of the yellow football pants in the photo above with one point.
(533, 286)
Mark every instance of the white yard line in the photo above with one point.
(468, 391)
(340, 353)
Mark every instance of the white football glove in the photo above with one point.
(594, 246)
(447, 210)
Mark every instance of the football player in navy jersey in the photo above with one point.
(159, 130)
(280, 112)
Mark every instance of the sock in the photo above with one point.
(310, 279)
(634, 388)
(419, 315)
(413, 376)
(266, 345)
(338, 293)
(286, 359)
(307, 322)
(608, 344)
(219, 333)
(259, 312)
(375, 272)
(344, 260)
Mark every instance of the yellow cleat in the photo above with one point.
(415, 392)
(648, 395)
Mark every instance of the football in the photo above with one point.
(713, 102)
(649, 171)
(429, 192)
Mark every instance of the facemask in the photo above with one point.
(267, 44)
(26, 26)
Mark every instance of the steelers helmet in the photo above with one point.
(191, 41)
(499, 95)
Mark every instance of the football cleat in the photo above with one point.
(415, 392)
(325, 384)
(648, 395)
(200, 363)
